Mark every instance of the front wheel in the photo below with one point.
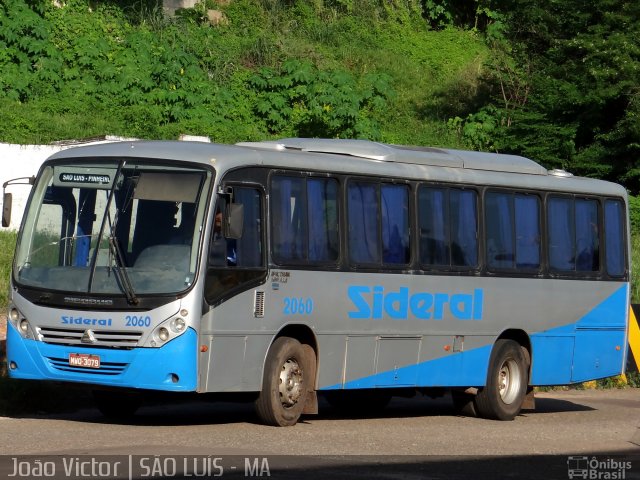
(507, 381)
(285, 383)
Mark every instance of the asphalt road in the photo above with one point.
(412, 439)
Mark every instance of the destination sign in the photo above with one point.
(83, 177)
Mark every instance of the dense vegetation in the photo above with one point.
(555, 80)
(275, 68)
(563, 80)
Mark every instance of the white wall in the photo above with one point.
(21, 161)
(170, 6)
(24, 161)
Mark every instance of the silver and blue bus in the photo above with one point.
(284, 270)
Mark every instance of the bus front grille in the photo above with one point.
(106, 368)
(96, 338)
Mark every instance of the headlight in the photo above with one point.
(163, 334)
(178, 325)
(21, 324)
(24, 326)
(168, 330)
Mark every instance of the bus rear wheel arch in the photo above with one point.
(507, 380)
(288, 381)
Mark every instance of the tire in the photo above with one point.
(117, 405)
(464, 403)
(285, 383)
(502, 397)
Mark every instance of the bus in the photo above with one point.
(285, 270)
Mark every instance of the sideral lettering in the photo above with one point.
(375, 303)
(71, 320)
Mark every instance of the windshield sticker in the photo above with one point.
(83, 177)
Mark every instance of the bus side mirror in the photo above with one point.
(235, 221)
(6, 209)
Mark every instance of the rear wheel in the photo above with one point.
(285, 383)
(507, 381)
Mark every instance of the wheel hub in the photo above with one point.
(291, 383)
(509, 381)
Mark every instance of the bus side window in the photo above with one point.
(464, 227)
(587, 236)
(304, 219)
(448, 226)
(322, 209)
(513, 230)
(222, 250)
(289, 218)
(614, 237)
(561, 226)
(574, 239)
(527, 225)
(434, 226)
(499, 230)
(364, 243)
(236, 264)
(249, 247)
(395, 224)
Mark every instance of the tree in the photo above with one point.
(566, 86)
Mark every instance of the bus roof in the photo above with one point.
(364, 157)
(437, 157)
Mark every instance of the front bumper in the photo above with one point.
(172, 367)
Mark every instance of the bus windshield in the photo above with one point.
(123, 227)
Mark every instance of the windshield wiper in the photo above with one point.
(121, 271)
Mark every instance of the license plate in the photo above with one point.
(84, 360)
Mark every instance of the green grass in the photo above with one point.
(635, 269)
(7, 248)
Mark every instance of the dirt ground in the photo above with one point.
(3, 327)
(3, 344)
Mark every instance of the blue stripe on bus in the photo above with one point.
(147, 368)
(593, 347)
(460, 369)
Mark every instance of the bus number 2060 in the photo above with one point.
(297, 306)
